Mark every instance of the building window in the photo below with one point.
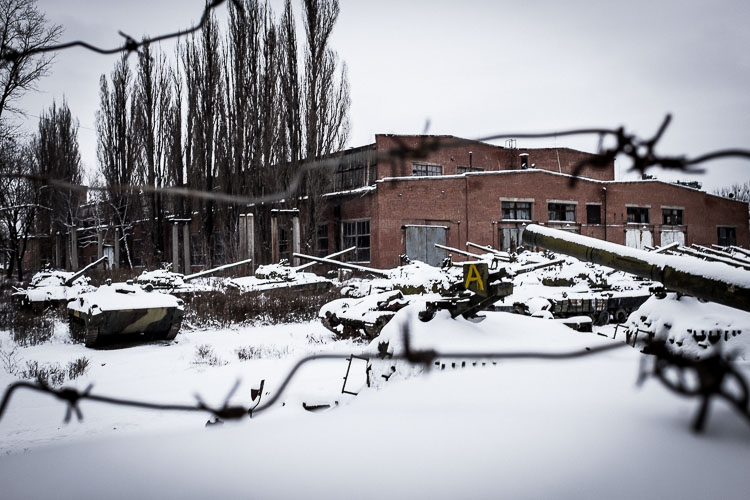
(349, 176)
(464, 170)
(357, 233)
(638, 215)
(727, 236)
(671, 216)
(516, 210)
(322, 240)
(593, 214)
(562, 212)
(424, 169)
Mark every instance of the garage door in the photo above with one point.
(420, 243)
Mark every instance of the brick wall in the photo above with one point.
(470, 206)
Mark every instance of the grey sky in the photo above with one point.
(474, 68)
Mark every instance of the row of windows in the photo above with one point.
(428, 169)
(566, 212)
(357, 233)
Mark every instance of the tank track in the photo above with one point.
(92, 334)
(173, 330)
(78, 330)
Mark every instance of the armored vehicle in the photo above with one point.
(54, 287)
(124, 308)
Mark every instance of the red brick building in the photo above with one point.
(457, 191)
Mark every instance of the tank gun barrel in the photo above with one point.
(469, 254)
(335, 254)
(215, 270)
(714, 281)
(345, 265)
(500, 254)
(69, 281)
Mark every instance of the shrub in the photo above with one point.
(10, 360)
(77, 368)
(284, 305)
(51, 374)
(204, 355)
(261, 352)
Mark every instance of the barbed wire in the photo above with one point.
(710, 376)
(426, 357)
(129, 45)
(709, 380)
(640, 151)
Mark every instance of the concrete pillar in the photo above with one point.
(175, 248)
(73, 249)
(116, 263)
(295, 239)
(250, 229)
(247, 239)
(243, 238)
(58, 251)
(274, 238)
(186, 246)
(99, 243)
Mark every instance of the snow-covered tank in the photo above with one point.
(54, 287)
(124, 308)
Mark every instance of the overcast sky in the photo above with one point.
(476, 68)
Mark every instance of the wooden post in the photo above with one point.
(186, 246)
(175, 248)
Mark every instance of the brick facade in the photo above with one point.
(470, 205)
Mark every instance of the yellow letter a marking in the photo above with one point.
(474, 276)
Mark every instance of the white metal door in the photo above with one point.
(671, 236)
(638, 238)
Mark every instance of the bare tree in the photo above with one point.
(19, 198)
(203, 76)
(22, 28)
(117, 148)
(55, 146)
(326, 100)
(153, 103)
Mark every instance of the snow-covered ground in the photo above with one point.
(518, 428)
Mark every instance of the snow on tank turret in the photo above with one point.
(124, 308)
(54, 287)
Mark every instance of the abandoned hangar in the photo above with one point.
(404, 193)
(460, 191)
